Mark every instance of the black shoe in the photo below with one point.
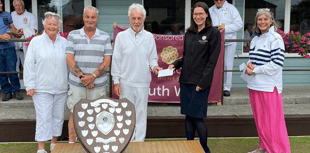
(226, 93)
(7, 97)
(18, 95)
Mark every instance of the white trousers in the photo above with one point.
(139, 97)
(49, 114)
(20, 59)
(228, 65)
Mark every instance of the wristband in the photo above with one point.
(94, 75)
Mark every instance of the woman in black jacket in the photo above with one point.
(201, 50)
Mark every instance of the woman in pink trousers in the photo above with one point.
(265, 84)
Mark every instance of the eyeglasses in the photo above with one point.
(200, 14)
(263, 9)
(56, 17)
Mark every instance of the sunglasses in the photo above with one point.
(264, 9)
(56, 17)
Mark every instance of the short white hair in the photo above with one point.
(137, 7)
(19, 1)
(53, 14)
(91, 8)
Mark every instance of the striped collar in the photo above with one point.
(82, 32)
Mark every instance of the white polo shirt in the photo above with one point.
(24, 20)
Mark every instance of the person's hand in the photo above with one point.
(87, 79)
(198, 88)
(117, 89)
(249, 71)
(91, 85)
(19, 33)
(31, 92)
(6, 36)
(157, 69)
(171, 67)
(250, 66)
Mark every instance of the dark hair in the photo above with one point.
(193, 27)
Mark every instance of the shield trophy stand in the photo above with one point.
(104, 124)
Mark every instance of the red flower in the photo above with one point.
(283, 35)
(302, 50)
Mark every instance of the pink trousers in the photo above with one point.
(269, 119)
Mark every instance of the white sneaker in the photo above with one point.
(258, 150)
(41, 151)
(52, 146)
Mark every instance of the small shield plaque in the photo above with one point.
(104, 124)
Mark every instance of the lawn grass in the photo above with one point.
(217, 145)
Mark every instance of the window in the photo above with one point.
(165, 17)
(300, 16)
(210, 3)
(71, 11)
(276, 6)
(27, 5)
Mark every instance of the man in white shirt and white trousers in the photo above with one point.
(27, 21)
(223, 12)
(133, 56)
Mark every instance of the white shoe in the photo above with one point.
(258, 150)
(52, 146)
(41, 151)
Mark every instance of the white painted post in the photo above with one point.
(187, 13)
(7, 6)
(87, 3)
(287, 16)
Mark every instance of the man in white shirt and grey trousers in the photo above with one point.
(223, 12)
(133, 56)
(27, 21)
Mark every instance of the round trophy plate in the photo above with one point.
(104, 125)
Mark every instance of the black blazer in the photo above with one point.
(200, 54)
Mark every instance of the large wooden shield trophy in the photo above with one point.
(104, 125)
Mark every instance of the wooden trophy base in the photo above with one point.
(141, 147)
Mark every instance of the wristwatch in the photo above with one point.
(81, 76)
(254, 72)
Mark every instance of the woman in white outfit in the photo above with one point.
(46, 80)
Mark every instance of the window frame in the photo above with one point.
(287, 21)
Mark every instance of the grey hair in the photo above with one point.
(52, 13)
(269, 14)
(19, 1)
(91, 8)
(137, 7)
